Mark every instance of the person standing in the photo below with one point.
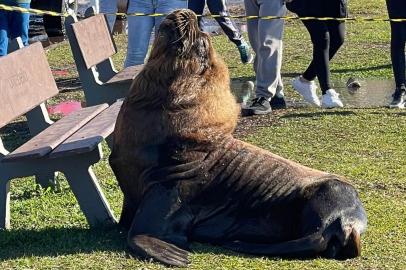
(266, 40)
(13, 24)
(219, 7)
(397, 10)
(140, 27)
(327, 37)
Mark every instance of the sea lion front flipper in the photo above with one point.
(161, 222)
(149, 247)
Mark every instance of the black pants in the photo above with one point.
(397, 51)
(217, 7)
(327, 37)
(53, 24)
(397, 9)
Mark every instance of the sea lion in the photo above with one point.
(185, 178)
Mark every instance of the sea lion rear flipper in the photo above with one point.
(306, 246)
(149, 247)
(161, 222)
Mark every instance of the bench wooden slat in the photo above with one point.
(126, 75)
(94, 39)
(50, 138)
(89, 136)
(25, 82)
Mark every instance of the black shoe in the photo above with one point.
(399, 98)
(278, 103)
(259, 105)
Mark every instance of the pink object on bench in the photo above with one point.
(60, 72)
(65, 107)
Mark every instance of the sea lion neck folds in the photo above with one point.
(185, 178)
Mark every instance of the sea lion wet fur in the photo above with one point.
(185, 178)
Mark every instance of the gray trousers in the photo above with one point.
(266, 40)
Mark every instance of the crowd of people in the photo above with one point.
(265, 37)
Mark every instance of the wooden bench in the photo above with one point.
(71, 145)
(92, 47)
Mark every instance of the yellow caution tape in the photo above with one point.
(33, 11)
(286, 18)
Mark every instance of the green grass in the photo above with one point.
(365, 145)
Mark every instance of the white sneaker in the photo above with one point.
(307, 90)
(331, 100)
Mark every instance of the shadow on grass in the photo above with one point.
(252, 78)
(317, 114)
(243, 79)
(53, 242)
(66, 85)
(346, 70)
(202, 249)
(393, 112)
(15, 134)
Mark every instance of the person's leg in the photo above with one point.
(329, 34)
(321, 36)
(398, 53)
(109, 7)
(197, 6)
(219, 7)
(19, 24)
(53, 24)
(319, 66)
(398, 38)
(3, 32)
(252, 9)
(266, 39)
(336, 29)
(305, 84)
(139, 31)
(269, 48)
(337, 36)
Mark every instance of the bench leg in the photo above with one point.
(38, 120)
(87, 191)
(110, 141)
(4, 204)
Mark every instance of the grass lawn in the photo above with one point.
(365, 145)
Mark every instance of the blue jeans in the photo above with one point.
(140, 28)
(13, 24)
(109, 7)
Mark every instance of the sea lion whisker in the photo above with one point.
(180, 38)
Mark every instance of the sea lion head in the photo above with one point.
(185, 84)
(181, 41)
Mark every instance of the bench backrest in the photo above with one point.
(94, 40)
(25, 82)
